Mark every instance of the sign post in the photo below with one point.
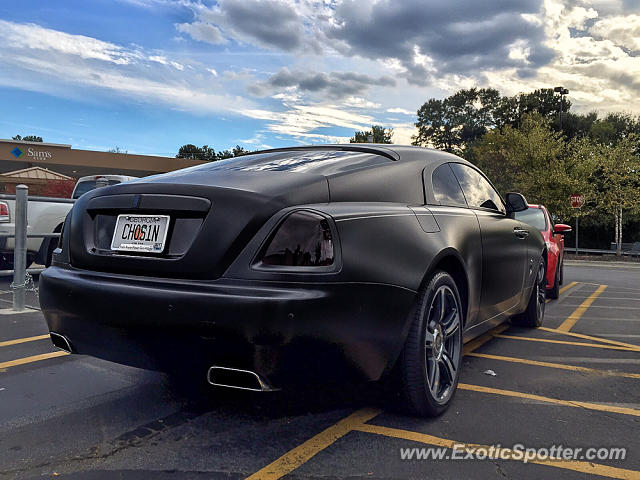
(577, 201)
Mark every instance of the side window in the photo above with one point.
(477, 190)
(446, 188)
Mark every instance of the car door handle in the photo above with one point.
(520, 232)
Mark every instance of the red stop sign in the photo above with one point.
(576, 200)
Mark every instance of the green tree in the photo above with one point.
(224, 154)
(532, 160)
(117, 149)
(378, 134)
(238, 151)
(204, 153)
(615, 181)
(453, 123)
(28, 138)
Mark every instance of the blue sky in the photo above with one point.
(151, 75)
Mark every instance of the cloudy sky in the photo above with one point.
(151, 75)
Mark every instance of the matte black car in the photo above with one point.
(307, 264)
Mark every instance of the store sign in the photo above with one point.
(33, 153)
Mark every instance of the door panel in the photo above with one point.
(504, 260)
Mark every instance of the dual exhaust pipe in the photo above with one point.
(61, 342)
(217, 376)
(238, 379)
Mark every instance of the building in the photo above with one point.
(41, 182)
(71, 162)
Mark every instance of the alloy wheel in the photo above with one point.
(442, 343)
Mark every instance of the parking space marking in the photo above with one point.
(567, 287)
(561, 366)
(578, 312)
(564, 342)
(302, 453)
(575, 465)
(566, 403)
(482, 339)
(33, 358)
(6, 343)
(591, 337)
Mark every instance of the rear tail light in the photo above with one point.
(4, 212)
(304, 239)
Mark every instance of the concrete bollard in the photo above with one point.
(20, 249)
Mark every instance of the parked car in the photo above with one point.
(88, 183)
(44, 215)
(538, 216)
(298, 264)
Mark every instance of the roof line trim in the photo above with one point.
(374, 149)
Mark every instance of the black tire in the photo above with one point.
(53, 243)
(429, 365)
(562, 272)
(554, 292)
(533, 316)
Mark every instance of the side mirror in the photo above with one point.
(516, 202)
(561, 228)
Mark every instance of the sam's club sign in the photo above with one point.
(32, 153)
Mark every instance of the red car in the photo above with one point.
(538, 216)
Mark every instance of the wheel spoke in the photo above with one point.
(434, 379)
(451, 323)
(428, 339)
(449, 368)
(443, 304)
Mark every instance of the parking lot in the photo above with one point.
(575, 382)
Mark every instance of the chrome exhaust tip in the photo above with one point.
(61, 342)
(238, 379)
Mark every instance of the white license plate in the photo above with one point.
(140, 233)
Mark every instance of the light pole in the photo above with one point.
(562, 91)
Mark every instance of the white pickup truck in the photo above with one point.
(44, 215)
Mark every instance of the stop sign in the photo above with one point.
(576, 200)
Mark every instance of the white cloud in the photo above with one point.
(203, 32)
(403, 111)
(40, 59)
(35, 37)
(623, 30)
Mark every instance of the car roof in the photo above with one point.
(394, 152)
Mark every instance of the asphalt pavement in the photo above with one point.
(574, 383)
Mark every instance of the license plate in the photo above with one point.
(140, 233)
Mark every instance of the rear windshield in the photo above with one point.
(534, 217)
(322, 162)
(88, 185)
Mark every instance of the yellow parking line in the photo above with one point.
(482, 339)
(590, 337)
(575, 465)
(302, 453)
(567, 403)
(22, 340)
(563, 342)
(34, 358)
(578, 312)
(568, 286)
(564, 289)
(555, 365)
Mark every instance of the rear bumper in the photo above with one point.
(286, 332)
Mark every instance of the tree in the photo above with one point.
(455, 122)
(378, 134)
(117, 149)
(238, 151)
(616, 180)
(28, 138)
(224, 154)
(205, 153)
(532, 160)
